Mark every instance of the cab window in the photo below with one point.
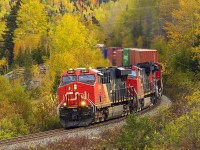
(133, 74)
(68, 79)
(88, 79)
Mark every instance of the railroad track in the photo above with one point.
(37, 136)
(7, 143)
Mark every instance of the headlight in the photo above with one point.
(65, 104)
(75, 87)
(83, 103)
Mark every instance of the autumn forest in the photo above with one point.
(39, 39)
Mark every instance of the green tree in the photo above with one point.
(184, 132)
(4, 10)
(130, 23)
(108, 16)
(183, 31)
(8, 35)
(137, 134)
(166, 8)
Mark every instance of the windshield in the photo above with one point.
(88, 79)
(68, 79)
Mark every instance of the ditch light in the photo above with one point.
(83, 103)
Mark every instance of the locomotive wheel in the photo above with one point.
(102, 118)
(131, 108)
(129, 111)
(159, 93)
(154, 99)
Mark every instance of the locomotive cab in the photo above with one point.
(76, 95)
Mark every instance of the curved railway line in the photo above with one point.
(54, 135)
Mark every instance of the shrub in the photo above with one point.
(11, 127)
(137, 134)
(183, 133)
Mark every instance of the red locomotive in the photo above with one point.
(93, 95)
(146, 78)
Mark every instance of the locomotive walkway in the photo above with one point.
(92, 131)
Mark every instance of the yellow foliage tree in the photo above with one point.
(3, 64)
(32, 25)
(184, 30)
(4, 9)
(183, 133)
(71, 34)
(72, 46)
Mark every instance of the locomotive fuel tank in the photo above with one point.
(115, 111)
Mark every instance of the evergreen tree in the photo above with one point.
(8, 36)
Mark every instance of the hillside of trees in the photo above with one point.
(57, 33)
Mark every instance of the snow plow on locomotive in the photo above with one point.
(93, 95)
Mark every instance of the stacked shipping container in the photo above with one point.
(142, 55)
(119, 54)
(104, 51)
(129, 56)
(126, 57)
(111, 51)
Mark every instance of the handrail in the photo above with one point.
(60, 104)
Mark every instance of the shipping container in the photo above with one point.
(126, 56)
(111, 53)
(104, 52)
(114, 59)
(130, 56)
(119, 55)
(142, 55)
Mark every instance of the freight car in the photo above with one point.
(93, 95)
